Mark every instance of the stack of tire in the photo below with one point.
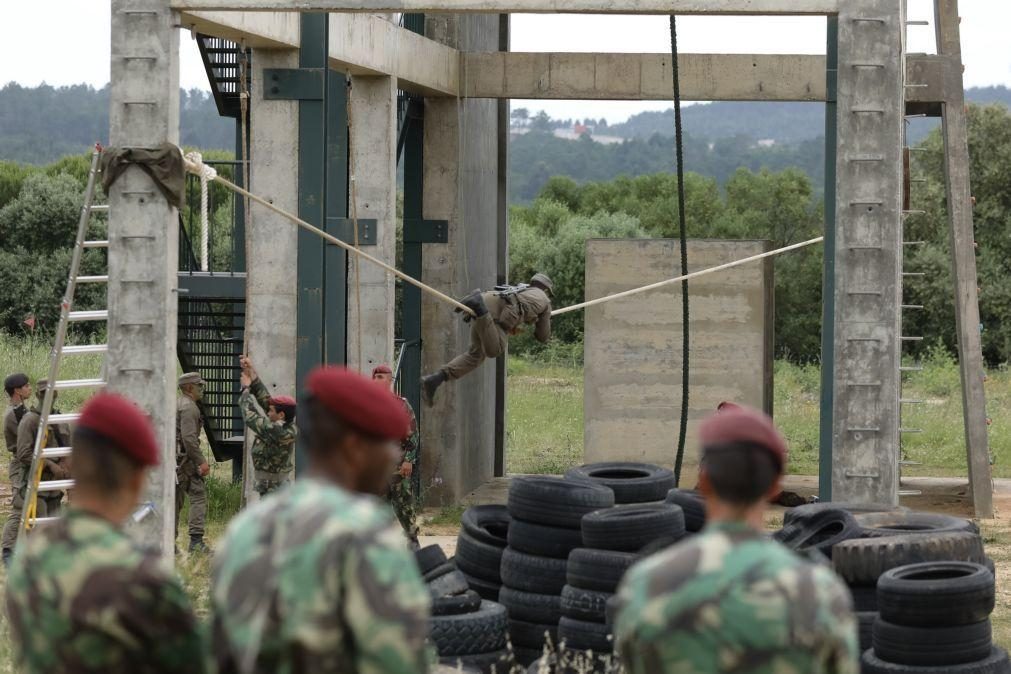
(546, 514)
(692, 505)
(466, 630)
(935, 616)
(483, 536)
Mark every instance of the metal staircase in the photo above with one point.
(221, 60)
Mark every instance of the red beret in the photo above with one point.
(282, 400)
(122, 422)
(359, 402)
(743, 424)
(381, 369)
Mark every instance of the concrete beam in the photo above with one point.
(702, 7)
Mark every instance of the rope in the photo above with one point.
(205, 226)
(354, 224)
(246, 219)
(683, 231)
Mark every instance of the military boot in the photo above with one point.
(430, 383)
(197, 545)
(474, 302)
(7, 554)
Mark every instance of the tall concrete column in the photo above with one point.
(373, 133)
(271, 288)
(868, 254)
(461, 186)
(144, 241)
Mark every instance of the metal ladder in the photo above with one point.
(36, 484)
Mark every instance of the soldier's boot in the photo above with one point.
(197, 545)
(7, 554)
(430, 383)
(474, 302)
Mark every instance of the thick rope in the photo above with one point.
(683, 235)
(205, 226)
(354, 224)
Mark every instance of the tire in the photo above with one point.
(861, 561)
(599, 570)
(541, 575)
(865, 598)
(912, 522)
(478, 559)
(487, 524)
(611, 608)
(804, 512)
(820, 532)
(532, 635)
(556, 502)
(543, 541)
(630, 527)
(485, 588)
(579, 635)
(692, 505)
(588, 605)
(501, 661)
(482, 631)
(995, 663)
(468, 602)
(931, 645)
(449, 585)
(526, 657)
(429, 557)
(630, 482)
(531, 607)
(865, 625)
(438, 571)
(936, 594)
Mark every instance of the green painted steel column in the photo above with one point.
(414, 185)
(335, 263)
(828, 282)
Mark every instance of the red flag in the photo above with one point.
(30, 321)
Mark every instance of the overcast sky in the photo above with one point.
(67, 42)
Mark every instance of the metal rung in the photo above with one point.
(911, 401)
(909, 492)
(916, 86)
(918, 149)
(65, 384)
(907, 462)
(44, 520)
(917, 180)
(85, 348)
(910, 430)
(913, 243)
(913, 212)
(911, 339)
(104, 278)
(914, 273)
(912, 306)
(96, 244)
(78, 316)
(56, 452)
(100, 208)
(911, 368)
(917, 23)
(68, 418)
(55, 485)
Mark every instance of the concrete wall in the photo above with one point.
(632, 377)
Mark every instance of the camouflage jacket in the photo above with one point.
(57, 435)
(274, 443)
(409, 445)
(82, 598)
(315, 579)
(733, 600)
(189, 421)
(12, 417)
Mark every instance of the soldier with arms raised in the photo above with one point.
(317, 577)
(731, 599)
(272, 422)
(82, 597)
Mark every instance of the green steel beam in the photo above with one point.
(335, 264)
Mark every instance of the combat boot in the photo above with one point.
(197, 545)
(475, 302)
(430, 383)
(7, 554)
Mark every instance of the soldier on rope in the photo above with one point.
(191, 466)
(498, 314)
(274, 431)
(401, 492)
(19, 391)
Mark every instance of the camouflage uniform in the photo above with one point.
(733, 600)
(47, 504)
(316, 579)
(82, 598)
(401, 493)
(12, 418)
(189, 458)
(274, 444)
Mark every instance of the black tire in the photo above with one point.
(865, 628)
(931, 646)
(429, 557)
(481, 631)
(865, 598)
(588, 605)
(820, 532)
(543, 541)
(478, 559)
(861, 561)
(487, 524)
(804, 512)
(630, 527)
(501, 661)
(936, 594)
(611, 608)
(532, 635)
(542, 575)
(913, 522)
(450, 585)
(531, 607)
(438, 571)
(995, 663)
(580, 635)
(468, 602)
(599, 570)
(487, 589)
(554, 501)
(692, 505)
(630, 482)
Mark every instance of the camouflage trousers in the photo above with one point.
(264, 487)
(401, 498)
(487, 340)
(45, 507)
(195, 488)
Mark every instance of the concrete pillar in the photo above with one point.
(373, 134)
(868, 256)
(144, 241)
(271, 287)
(461, 183)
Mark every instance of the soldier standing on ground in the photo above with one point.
(731, 598)
(274, 430)
(401, 492)
(19, 391)
(47, 504)
(498, 314)
(82, 597)
(317, 577)
(191, 466)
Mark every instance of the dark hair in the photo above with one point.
(289, 411)
(99, 463)
(740, 472)
(320, 428)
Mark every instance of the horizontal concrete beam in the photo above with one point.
(714, 7)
